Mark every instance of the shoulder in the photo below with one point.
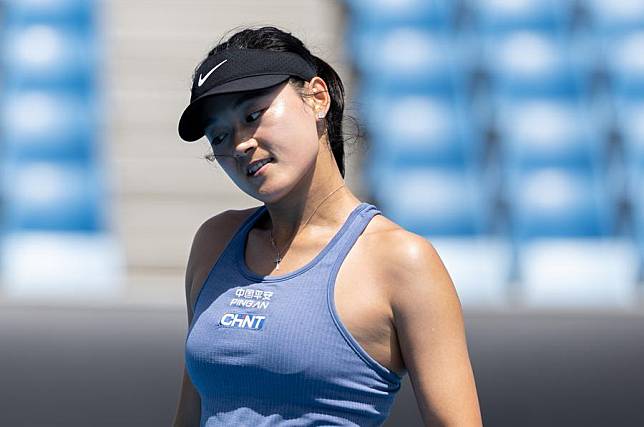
(406, 251)
(409, 264)
(215, 232)
(209, 241)
(220, 226)
(429, 326)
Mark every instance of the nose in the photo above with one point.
(245, 142)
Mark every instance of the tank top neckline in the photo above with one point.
(251, 275)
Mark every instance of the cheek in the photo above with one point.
(230, 168)
(225, 163)
(299, 155)
(296, 133)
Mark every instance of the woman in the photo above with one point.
(309, 309)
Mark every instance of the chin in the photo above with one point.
(272, 189)
(270, 195)
(263, 194)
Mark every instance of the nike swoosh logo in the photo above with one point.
(204, 78)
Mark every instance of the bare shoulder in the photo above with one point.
(216, 231)
(429, 324)
(405, 250)
(220, 226)
(210, 239)
(407, 262)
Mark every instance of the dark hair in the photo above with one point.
(272, 38)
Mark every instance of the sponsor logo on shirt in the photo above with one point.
(242, 321)
(251, 298)
(248, 303)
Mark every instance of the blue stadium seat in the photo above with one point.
(387, 13)
(407, 58)
(530, 73)
(624, 64)
(479, 266)
(543, 132)
(555, 202)
(48, 57)
(615, 16)
(579, 272)
(529, 63)
(48, 125)
(510, 15)
(65, 260)
(79, 14)
(52, 196)
(434, 201)
(638, 213)
(422, 130)
(630, 118)
(631, 123)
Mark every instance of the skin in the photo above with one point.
(412, 321)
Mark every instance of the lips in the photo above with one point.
(256, 165)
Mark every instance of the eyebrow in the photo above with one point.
(243, 98)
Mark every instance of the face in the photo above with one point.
(275, 124)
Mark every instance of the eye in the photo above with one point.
(254, 116)
(218, 139)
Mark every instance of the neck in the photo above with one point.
(289, 215)
(321, 209)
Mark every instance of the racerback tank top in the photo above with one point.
(271, 350)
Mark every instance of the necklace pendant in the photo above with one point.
(277, 263)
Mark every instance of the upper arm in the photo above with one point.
(431, 335)
(209, 240)
(193, 262)
(203, 247)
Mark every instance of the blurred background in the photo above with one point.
(510, 133)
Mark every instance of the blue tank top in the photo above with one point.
(271, 350)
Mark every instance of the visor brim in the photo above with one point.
(191, 123)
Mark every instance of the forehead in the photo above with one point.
(217, 104)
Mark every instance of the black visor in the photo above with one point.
(237, 70)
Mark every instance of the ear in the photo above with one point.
(319, 95)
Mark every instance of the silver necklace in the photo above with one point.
(278, 259)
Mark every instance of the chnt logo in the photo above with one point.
(242, 321)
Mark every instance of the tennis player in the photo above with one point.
(309, 309)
